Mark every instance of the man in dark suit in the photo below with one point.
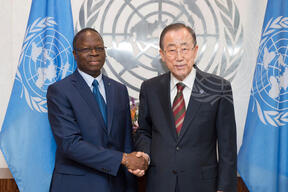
(186, 116)
(89, 114)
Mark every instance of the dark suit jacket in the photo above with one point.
(88, 156)
(189, 159)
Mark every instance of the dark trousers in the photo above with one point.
(176, 187)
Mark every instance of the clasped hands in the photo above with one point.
(136, 162)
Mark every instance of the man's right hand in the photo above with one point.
(133, 161)
(139, 172)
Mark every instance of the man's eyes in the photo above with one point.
(174, 50)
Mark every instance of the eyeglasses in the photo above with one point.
(172, 52)
(90, 49)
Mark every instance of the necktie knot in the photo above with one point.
(95, 83)
(180, 87)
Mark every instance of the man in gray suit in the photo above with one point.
(185, 117)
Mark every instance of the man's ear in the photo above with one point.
(162, 54)
(74, 53)
(195, 51)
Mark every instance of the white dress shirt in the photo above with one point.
(89, 80)
(188, 82)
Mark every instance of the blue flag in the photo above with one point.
(263, 156)
(26, 139)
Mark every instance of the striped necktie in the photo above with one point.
(100, 100)
(178, 107)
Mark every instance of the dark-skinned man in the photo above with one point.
(89, 114)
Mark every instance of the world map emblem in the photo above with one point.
(44, 59)
(131, 31)
(271, 74)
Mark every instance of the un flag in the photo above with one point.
(26, 139)
(263, 156)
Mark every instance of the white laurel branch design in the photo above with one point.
(88, 14)
(35, 102)
(274, 118)
(233, 32)
(273, 25)
(39, 24)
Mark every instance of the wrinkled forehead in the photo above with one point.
(180, 37)
(179, 43)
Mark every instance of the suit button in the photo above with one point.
(177, 148)
(174, 172)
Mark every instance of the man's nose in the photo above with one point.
(179, 54)
(94, 52)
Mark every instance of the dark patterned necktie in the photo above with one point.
(100, 100)
(178, 107)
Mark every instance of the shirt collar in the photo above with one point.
(188, 81)
(89, 79)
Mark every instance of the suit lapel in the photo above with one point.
(109, 100)
(191, 109)
(164, 92)
(88, 96)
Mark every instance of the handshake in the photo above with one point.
(136, 162)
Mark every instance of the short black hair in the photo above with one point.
(173, 27)
(76, 37)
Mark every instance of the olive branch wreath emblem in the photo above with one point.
(274, 118)
(88, 14)
(35, 103)
(233, 33)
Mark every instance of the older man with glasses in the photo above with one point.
(186, 116)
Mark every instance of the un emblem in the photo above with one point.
(271, 73)
(131, 31)
(44, 59)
